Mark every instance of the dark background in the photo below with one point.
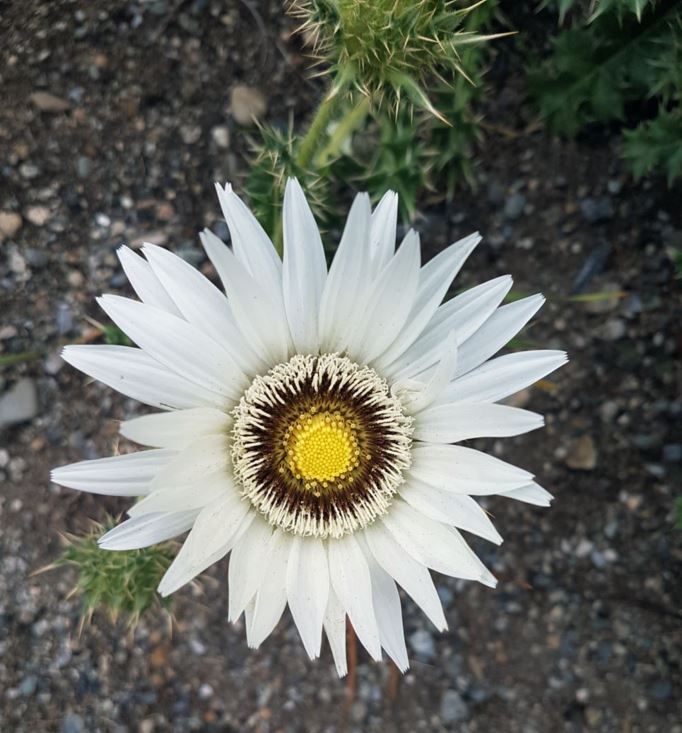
(584, 630)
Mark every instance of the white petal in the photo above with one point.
(347, 284)
(178, 345)
(392, 298)
(214, 532)
(176, 429)
(446, 506)
(271, 598)
(247, 566)
(202, 457)
(308, 590)
(335, 628)
(434, 280)
(462, 315)
(351, 582)
(531, 494)
(465, 470)
(135, 374)
(185, 496)
(389, 614)
(435, 545)
(419, 395)
(496, 379)
(147, 530)
(500, 328)
(145, 283)
(305, 269)
(252, 246)
(410, 574)
(382, 232)
(257, 313)
(202, 305)
(461, 421)
(128, 475)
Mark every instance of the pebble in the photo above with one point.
(47, 102)
(17, 264)
(613, 330)
(582, 454)
(453, 709)
(190, 134)
(247, 103)
(29, 171)
(514, 205)
(19, 403)
(35, 257)
(672, 453)
(28, 685)
(423, 645)
(63, 319)
(608, 410)
(38, 215)
(10, 224)
(597, 210)
(221, 136)
(73, 723)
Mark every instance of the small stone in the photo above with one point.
(608, 411)
(246, 104)
(102, 220)
(613, 330)
(8, 332)
(165, 211)
(453, 709)
(190, 134)
(75, 278)
(35, 257)
(582, 454)
(83, 166)
(514, 205)
(19, 403)
(17, 264)
(63, 319)
(53, 363)
(29, 171)
(584, 548)
(73, 723)
(47, 102)
(596, 210)
(10, 224)
(38, 215)
(147, 726)
(423, 645)
(28, 685)
(221, 136)
(205, 691)
(661, 689)
(672, 453)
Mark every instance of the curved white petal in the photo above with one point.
(214, 532)
(497, 331)
(531, 494)
(461, 421)
(202, 305)
(347, 283)
(353, 587)
(438, 547)
(187, 496)
(202, 457)
(178, 345)
(147, 530)
(258, 314)
(335, 629)
(504, 376)
(127, 475)
(391, 300)
(445, 506)
(304, 269)
(409, 573)
(434, 280)
(146, 285)
(386, 601)
(465, 470)
(382, 232)
(271, 597)
(248, 562)
(252, 246)
(462, 315)
(308, 590)
(135, 374)
(176, 429)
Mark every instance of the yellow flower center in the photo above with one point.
(322, 447)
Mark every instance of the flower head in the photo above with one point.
(308, 421)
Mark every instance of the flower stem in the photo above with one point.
(353, 118)
(316, 130)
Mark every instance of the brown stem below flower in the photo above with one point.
(352, 679)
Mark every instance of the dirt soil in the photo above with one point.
(584, 631)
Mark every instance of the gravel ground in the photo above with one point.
(583, 632)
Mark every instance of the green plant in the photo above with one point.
(122, 584)
(622, 61)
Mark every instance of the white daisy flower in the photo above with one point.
(310, 419)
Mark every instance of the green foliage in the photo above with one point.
(114, 336)
(122, 584)
(276, 159)
(656, 145)
(389, 50)
(595, 8)
(627, 54)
